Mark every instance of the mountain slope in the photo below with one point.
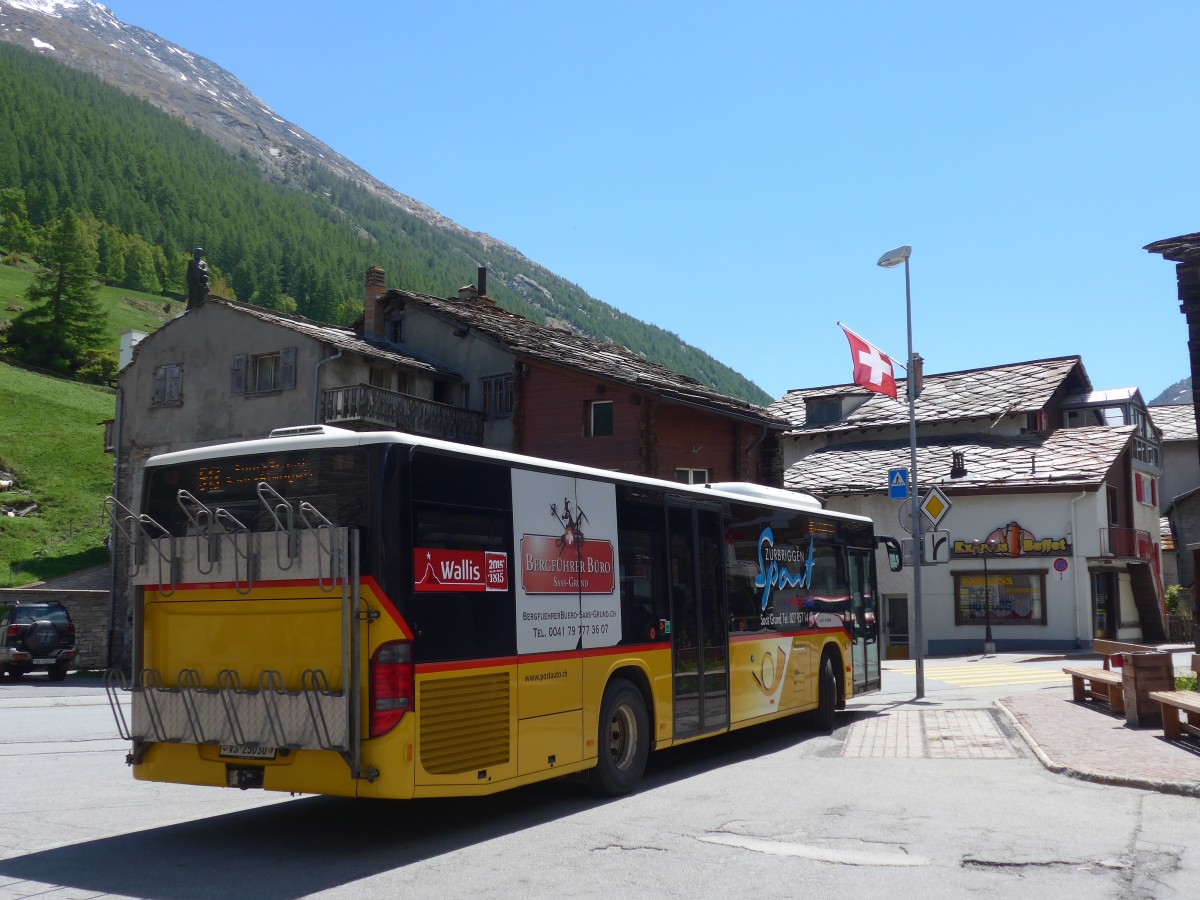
(86, 36)
(1179, 392)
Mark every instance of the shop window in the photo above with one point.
(1002, 597)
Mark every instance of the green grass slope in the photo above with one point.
(50, 440)
(127, 310)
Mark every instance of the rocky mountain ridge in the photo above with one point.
(87, 36)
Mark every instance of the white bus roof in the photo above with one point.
(309, 437)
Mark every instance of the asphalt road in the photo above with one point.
(771, 811)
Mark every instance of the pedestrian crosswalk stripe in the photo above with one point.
(985, 675)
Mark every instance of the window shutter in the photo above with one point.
(287, 368)
(1154, 492)
(1138, 482)
(238, 375)
(174, 382)
(160, 384)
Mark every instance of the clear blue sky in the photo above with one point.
(732, 175)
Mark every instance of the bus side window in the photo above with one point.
(644, 607)
(470, 622)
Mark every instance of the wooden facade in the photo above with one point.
(649, 436)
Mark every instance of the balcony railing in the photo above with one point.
(368, 408)
(1126, 543)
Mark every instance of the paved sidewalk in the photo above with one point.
(1084, 741)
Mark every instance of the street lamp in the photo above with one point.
(986, 547)
(887, 261)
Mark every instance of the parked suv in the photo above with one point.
(35, 635)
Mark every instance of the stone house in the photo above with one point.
(459, 369)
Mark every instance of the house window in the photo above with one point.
(168, 385)
(498, 396)
(1113, 505)
(1146, 489)
(1036, 421)
(264, 372)
(600, 418)
(395, 330)
(380, 377)
(691, 476)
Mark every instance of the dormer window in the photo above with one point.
(395, 333)
(822, 410)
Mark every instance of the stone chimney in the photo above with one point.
(374, 326)
(478, 289)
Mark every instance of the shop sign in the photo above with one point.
(1011, 540)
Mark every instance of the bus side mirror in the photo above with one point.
(895, 558)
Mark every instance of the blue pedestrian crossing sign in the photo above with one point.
(897, 484)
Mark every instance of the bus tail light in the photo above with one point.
(391, 686)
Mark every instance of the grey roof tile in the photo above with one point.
(582, 354)
(1185, 248)
(1176, 421)
(1069, 458)
(334, 335)
(986, 393)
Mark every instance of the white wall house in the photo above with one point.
(1052, 534)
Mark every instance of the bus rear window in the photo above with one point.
(334, 481)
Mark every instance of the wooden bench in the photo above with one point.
(1105, 685)
(1172, 703)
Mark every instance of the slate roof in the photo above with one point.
(986, 393)
(1185, 248)
(1176, 421)
(1066, 459)
(334, 335)
(582, 354)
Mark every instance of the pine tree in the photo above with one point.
(65, 326)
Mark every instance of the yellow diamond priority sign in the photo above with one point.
(935, 506)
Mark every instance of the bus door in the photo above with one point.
(865, 632)
(698, 630)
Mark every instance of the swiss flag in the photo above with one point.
(872, 368)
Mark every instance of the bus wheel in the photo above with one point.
(623, 739)
(822, 719)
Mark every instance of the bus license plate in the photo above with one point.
(246, 751)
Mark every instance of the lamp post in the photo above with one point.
(989, 646)
(887, 261)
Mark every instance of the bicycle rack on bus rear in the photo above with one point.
(132, 527)
(211, 525)
(314, 717)
(287, 522)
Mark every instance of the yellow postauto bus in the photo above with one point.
(383, 615)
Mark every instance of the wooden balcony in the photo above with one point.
(1126, 543)
(362, 407)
